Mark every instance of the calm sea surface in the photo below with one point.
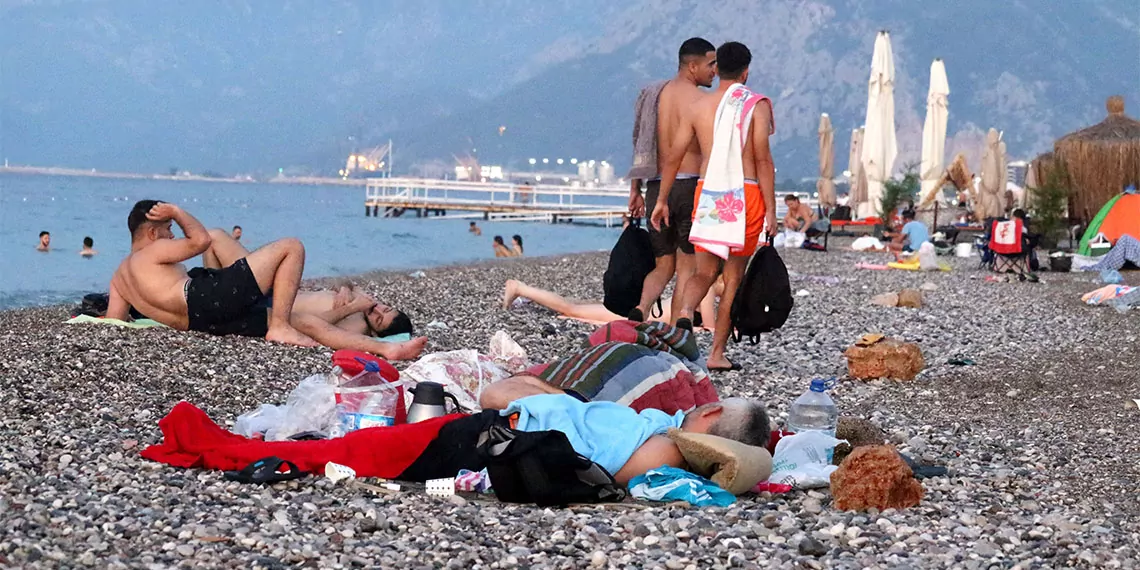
(330, 221)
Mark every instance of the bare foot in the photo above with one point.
(510, 293)
(405, 350)
(289, 335)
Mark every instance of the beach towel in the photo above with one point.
(1105, 294)
(641, 365)
(135, 324)
(645, 132)
(720, 217)
(192, 439)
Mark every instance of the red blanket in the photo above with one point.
(192, 439)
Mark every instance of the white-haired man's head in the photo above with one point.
(737, 419)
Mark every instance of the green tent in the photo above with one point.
(1094, 226)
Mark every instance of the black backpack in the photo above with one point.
(630, 261)
(93, 305)
(541, 467)
(764, 298)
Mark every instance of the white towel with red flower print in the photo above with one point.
(719, 220)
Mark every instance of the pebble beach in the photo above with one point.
(1043, 455)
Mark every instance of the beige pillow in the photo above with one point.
(735, 466)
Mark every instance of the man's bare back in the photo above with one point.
(154, 289)
(701, 115)
(677, 96)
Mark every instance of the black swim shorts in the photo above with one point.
(227, 301)
(676, 235)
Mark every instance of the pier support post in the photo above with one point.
(554, 218)
(367, 210)
(376, 211)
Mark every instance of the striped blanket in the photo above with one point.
(641, 365)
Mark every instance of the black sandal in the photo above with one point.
(267, 470)
(734, 367)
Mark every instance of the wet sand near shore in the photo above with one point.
(1044, 456)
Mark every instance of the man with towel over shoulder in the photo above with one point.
(658, 115)
(734, 201)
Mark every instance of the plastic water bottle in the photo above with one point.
(337, 429)
(815, 410)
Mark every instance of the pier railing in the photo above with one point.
(499, 196)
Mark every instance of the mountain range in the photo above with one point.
(242, 86)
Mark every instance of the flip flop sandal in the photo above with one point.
(267, 470)
(735, 366)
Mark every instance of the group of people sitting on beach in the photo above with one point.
(239, 292)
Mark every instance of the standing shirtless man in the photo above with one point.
(696, 68)
(226, 301)
(698, 122)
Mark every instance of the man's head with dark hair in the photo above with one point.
(732, 61)
(45, 233)
(236, 232)
(498, 240)
(697, 60)
(791, 199)
(1019, 214)
(472, 224)
(45, 241)
(137, 218)
(88, 242)
(908, 215)
(386, 321)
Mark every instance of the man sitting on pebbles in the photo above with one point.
(237, 292)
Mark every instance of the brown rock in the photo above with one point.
(888, 358)
(911, 298)
(874, 476)
(858, 432)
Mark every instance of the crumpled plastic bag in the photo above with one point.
(927, 257)
(311, 406)
(803, 460)
(794, 239)
(507, 353)
(672, 484)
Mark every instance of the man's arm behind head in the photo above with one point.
(174, 250)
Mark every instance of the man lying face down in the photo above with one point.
(625, 442)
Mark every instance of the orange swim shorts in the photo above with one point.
(754, 208)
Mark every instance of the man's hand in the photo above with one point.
(343, 297)
(362, 302)
(636, 205)
(162, 212)
(770, 222)
(660, 216)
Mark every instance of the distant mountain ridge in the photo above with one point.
(235, 86)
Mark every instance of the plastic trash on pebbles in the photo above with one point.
(441, 487)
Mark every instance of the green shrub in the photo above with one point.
(1050, 201)
(896, 191)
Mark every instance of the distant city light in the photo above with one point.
(538, 178)
(573, 161)
(560, 161)
(532, 161)
(546, 161)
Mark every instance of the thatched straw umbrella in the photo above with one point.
(825, 185)
(1101, 160)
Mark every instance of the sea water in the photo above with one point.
(339, 240)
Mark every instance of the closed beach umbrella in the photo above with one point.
(934, 132)
(1030, 184)
(991, 193)
(1003, 171)
(879, 145)
(825, 185)
(857, 189)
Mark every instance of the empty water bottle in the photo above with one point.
(815, 410)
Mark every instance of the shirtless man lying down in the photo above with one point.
(237, 293)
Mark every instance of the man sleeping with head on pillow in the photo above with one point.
(624, 442)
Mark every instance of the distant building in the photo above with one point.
(586, 171)
(605, 173)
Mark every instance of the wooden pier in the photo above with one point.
(422, 197)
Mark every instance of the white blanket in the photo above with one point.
(720, 219)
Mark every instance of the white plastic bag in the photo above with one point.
(927, 257)
(311, 406)
(802, 460)
(794, 239)
(463, 374)
(507, 353)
